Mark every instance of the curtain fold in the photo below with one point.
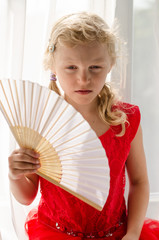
(106, 9)
(122, 75)
(146, 86)
(24, 32)
(12, 32)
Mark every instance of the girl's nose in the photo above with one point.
(84, 76)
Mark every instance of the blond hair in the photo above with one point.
(83, 28)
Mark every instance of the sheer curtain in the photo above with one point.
(145, 88)
(24, 31)
(12, 19)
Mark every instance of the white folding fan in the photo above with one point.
(71, 155)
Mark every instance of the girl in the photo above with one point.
(81, 52)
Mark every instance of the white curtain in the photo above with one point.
(24, 31)
(11, 61)
(145, 87)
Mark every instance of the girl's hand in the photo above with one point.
(23, 161)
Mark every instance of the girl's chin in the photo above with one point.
(83, 100)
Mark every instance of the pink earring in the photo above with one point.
(53, 77)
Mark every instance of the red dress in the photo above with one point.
(62, 216)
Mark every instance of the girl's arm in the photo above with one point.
(138, 188)
(23, 164)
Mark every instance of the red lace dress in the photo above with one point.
(62, 216)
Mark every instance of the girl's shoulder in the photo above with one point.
(132, 111)
(133, 117)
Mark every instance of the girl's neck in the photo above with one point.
(90, 113)
(85, 110)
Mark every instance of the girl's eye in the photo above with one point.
(71, 67)
(94, 67)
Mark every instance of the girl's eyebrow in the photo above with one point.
(101, 59)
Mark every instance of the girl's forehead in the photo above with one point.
(96, 51)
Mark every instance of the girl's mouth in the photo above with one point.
(83, 92)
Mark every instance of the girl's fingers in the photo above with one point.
(25, 166)
(23, 161)
(24, 155)
(23, 158)
(27, 151)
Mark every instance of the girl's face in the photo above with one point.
(82, 71)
